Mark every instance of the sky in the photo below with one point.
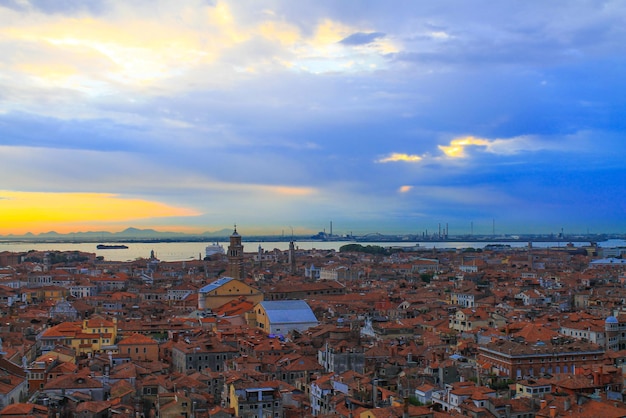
(389, 117)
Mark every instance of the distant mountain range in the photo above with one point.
(125, 235)
(151, 235)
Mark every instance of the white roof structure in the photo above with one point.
(286, 315)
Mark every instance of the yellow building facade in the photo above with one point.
(224, 290)
(87, 337)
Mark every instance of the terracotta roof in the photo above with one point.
(136, 339)
(121, 388)
(73, 381)
(95, 407)
(24, 410)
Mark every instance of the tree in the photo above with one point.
(426, 277)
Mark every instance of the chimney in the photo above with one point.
(553, 412)
(405, 410)
(542, 404)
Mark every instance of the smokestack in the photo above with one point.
(331, 228)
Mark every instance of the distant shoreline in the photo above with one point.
(368, 238)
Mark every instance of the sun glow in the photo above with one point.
(35, 212)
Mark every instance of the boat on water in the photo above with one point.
(111, 247)
(214, 248)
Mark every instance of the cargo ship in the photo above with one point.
(111, 247)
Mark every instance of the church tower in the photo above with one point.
(235, 256)
(292, 258)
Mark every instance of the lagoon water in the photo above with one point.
(180, 251)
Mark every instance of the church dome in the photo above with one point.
(611, 320)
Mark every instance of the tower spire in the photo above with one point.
(235, 256)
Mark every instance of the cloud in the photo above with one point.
(577, 142)
(263, 189)
(238, 107)
(399, 157)
(281, 32)
(456, 148)
(337, 47)
(53, 7)
(361, 38)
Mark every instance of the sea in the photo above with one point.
(181, 251)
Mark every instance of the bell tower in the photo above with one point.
(292, 258)
(235, 256)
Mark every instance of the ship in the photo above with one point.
(111, 247)
(214, 248)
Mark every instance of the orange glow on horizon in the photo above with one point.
(37, 212)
